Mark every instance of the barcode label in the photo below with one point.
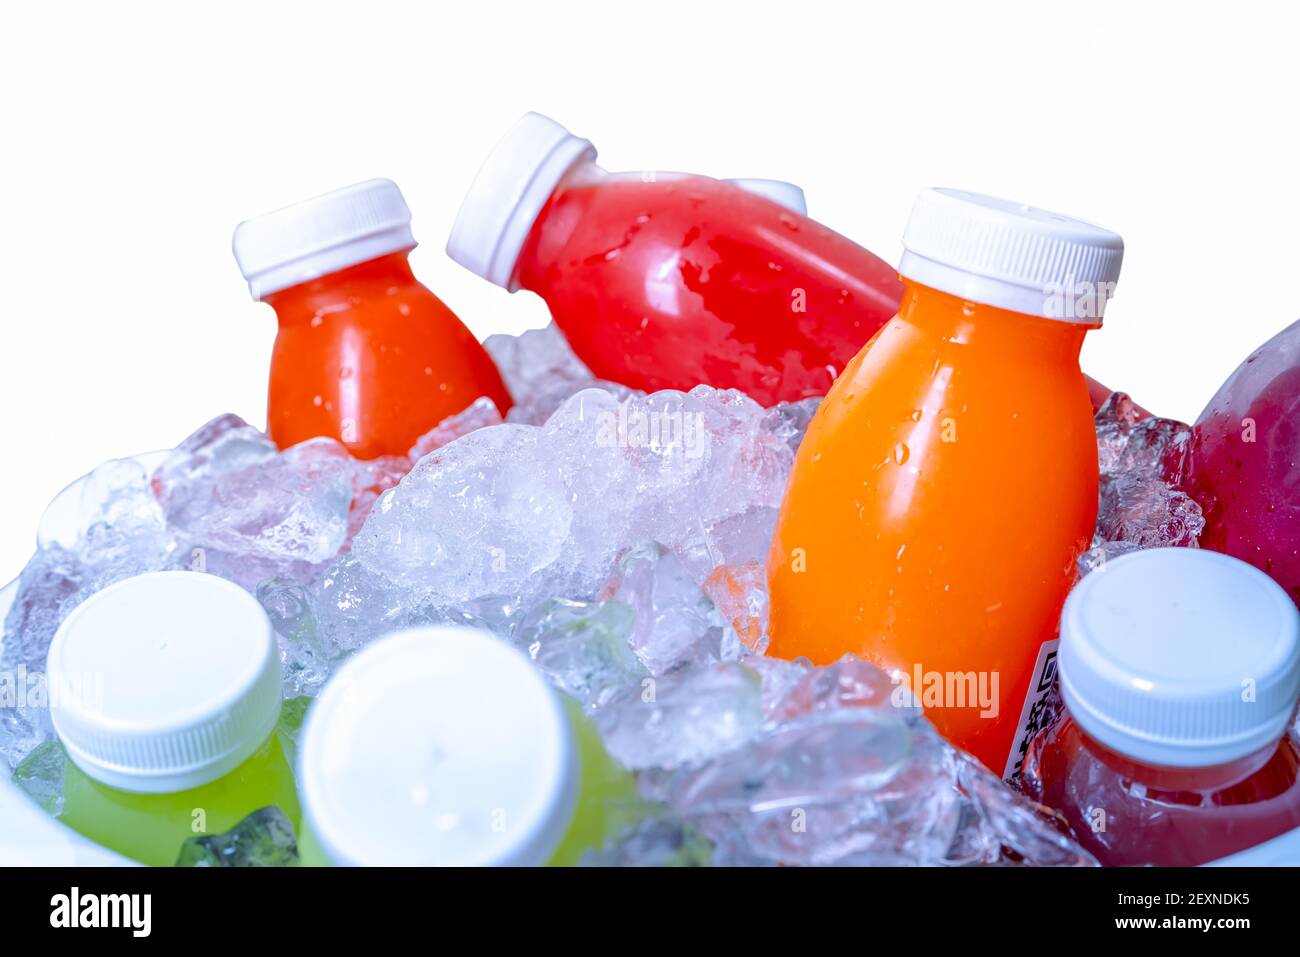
(1036, 712)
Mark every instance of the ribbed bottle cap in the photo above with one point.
(1005, 254)
(509, 192)
(164, 682)
(322, 235)
(1180, 657)
(438, 746)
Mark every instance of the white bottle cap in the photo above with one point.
(164, 682)
(438, 746)
(1180, 657)
(509, 192)
(777, 190)
(1011, 256)
(322, 235)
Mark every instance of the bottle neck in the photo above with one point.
(974, 324)
(341, 288)
(1164, 779)
(555, 225)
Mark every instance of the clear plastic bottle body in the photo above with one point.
(1127, 813)
(669, 280)
(936, 508)
(151, 828)
(1244, 462)
(370, 356)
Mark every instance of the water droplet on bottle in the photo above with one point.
(901, 452)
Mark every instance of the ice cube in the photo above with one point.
(788, 421)
(1142, 463)
(1146, 512)
(371, 478)
(740, 594)
(583, 648)
(23, 729)
(535, 361)
(1102, 552)
(479, 414)
(263, 839)
(659, 841)
(1127, 443)
(845, 775)
(684, 717)
(304, 664)
(676, 622)
(226, 444)
(285, 511)
(50, 585)
(352, 606)
(481, 516)
(41, 775)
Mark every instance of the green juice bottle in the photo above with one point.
(165, 693)
(445, 746)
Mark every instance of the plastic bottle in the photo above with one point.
(444, 746)
(948, 482)
(669, 280)
(365, 353)
(165, 692)
(1245, 457)
(1179, 669)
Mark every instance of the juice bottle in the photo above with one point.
(365, 353)
(1179, 669)
(165, 692)
(948, 482)
(444, 746)
(1245, 450)
(669, 280)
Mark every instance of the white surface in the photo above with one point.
(511, 187)
(1002, 253)
(779, 191)
(438, 746)
(146, 704)
(145, 132)
(1180, 657)
(321, 235)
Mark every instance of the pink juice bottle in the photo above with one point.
(669, 280)
(1246, 462)
(1179, 670)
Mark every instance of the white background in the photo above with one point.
(134, 136)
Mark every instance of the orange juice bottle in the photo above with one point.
(365, 353)
(949, 479)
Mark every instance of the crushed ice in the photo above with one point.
(618, 539)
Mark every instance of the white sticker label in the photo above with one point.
(1033, 716)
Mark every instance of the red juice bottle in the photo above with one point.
(365, 353)
(1245, 451)
(1179, 670)
(669, 280)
